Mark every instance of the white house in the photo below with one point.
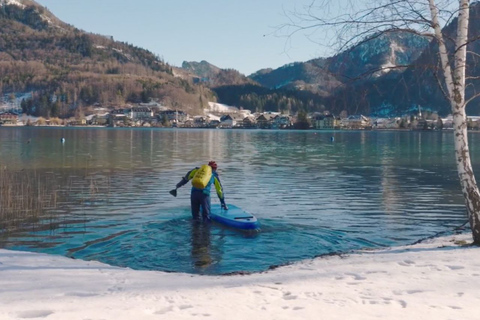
(230, 120)
(387, 123)
(356, 121)
(141, 113)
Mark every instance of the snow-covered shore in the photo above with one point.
(436, 279)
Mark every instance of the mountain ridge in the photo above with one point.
(214, 76)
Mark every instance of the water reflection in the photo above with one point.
(201, 245)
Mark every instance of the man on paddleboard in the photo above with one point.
(202, 179)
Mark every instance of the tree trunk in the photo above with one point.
(464, 166)
(465, 172)
(455, 82)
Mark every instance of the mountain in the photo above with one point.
(419, 84)
(213, 76)
(370, 72)
(234, 88)
(372, 58)
(329, 84)
(49, 58)
(381, 54)
(311, 76)
(416, 86)
(388, 74)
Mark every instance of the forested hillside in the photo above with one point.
(213, 76)
(44, 56)
(258, 99)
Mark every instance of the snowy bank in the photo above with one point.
(436, 279)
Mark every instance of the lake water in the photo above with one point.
(312, 196)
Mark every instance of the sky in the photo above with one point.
(435, 279)
(241, 35)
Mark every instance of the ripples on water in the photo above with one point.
(312, 196)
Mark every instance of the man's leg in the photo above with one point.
(195, 201)
(206, 207)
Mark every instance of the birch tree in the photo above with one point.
(363, 19)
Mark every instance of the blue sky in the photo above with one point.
(236, 34)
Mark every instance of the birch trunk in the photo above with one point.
(455, 82)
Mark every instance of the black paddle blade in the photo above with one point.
(173, 192)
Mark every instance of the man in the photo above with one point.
(202, 179)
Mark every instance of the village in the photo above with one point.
(227, 117)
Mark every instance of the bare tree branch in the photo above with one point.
(472, 98)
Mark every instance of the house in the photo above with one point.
(447, 122)
(200, 121)
(100, 119)
(212, 121)
(387, 123)
(282, 121)
(420, 124)
(249, 122)
(473, 122)
(231, 120)
(327, 122)
(356, 121)
(331, 122)
(8, 118)
(173, 116)
(265, 120)
(140, 113)
(227, 121)
(122, 112)
(188, 123)
(118, 117)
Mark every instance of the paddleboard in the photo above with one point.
(234, 217)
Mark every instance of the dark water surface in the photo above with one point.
(311, 196)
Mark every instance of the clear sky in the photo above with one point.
(236, 34)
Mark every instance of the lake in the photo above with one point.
(312, 196)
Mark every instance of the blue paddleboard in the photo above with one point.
(234, 217)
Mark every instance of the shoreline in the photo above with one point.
(435, 279)
(236, 128)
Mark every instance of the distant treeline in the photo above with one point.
(261, 99)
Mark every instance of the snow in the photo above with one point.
(435, 279)
(7, 103)
(218, 107)
(13, 2)
(391, 62)
(212, 117)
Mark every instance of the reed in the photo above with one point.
(36, 198)
(25, 197)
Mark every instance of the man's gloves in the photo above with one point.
(224, 206)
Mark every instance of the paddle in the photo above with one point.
(173, 192)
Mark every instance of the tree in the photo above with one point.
(165, 121)
(439, 124)
(362, 20)
(302, 120)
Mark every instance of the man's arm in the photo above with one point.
(219, 189)
(187, 177)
